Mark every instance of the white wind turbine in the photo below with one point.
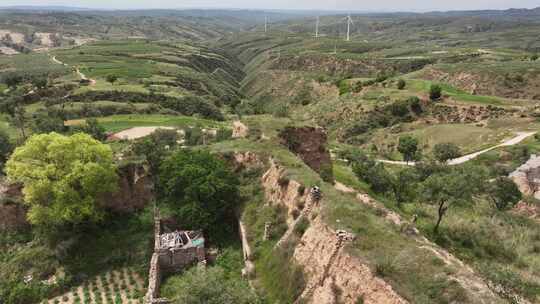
(317, 27)
(349, 22)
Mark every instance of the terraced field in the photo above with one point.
(122, 286)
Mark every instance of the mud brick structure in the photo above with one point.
(173, 252)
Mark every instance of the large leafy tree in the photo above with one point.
(444, 152)
(63, 177)
(200, 187)
(408, 146)
(448, 188)
(504, 193)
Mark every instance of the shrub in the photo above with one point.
(399, 108)
(327, 173)
(344, 87)
(414, 103)
(401, 84)
(301, 227)
(211, 284)
(435, 92)
(282, 279)
(281, 110)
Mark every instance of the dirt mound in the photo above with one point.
(310, 144)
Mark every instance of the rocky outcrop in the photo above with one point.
(527, 177)
(240, 130)
(309, 143)
(135, 190)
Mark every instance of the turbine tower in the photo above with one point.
(317, 28)
(349, 22)
(265, 24)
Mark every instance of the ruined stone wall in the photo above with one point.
(154, 276)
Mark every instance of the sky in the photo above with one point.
(356, 5)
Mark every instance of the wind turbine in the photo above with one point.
(317, 28)
(265, 24)
(349, 22)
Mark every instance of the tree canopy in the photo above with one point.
(200, 187)
(5, 147)
(63, 177)
(450, 187)
(408, 146)
(504, 193)
(446, 151)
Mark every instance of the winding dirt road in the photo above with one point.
(79, 73)
(521, 136)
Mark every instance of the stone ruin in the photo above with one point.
(527, 177)
(173, 252)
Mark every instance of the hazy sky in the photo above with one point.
(386, 5)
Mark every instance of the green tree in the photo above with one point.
(401, 84)
(208, 285)
(402, 185)
(444, 152)
(504, 193)
(534, 57)
(111, 78)
(39, 82)
(63, 177)
(156, 147)
(93, 128)
(408, 147)
(12, 80)
(201, 189)
(47, 123)
(5, 148)
(445, 189)
(435, 92)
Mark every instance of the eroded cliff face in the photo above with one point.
(135, 190)
(12, 212)
(332, 275)
(309, 143)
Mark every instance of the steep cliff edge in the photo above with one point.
(332, 274)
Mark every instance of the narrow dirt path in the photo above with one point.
(79, 73)
(521, 136)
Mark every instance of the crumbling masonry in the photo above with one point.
(172, 252)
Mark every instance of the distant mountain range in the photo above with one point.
(44, 8)
(509, 13)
